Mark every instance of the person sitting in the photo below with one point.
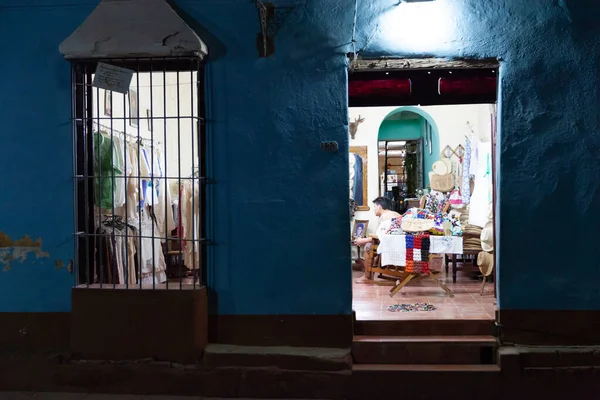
(382, 207)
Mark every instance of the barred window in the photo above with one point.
(139, 176)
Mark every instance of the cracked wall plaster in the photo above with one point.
(17, 251)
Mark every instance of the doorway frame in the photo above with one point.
(388, 65)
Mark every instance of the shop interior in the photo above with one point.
(434, 164)
(139, 196)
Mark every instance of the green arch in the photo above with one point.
(428, 159)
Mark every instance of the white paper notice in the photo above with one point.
(113, 78)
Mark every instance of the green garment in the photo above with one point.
(105, 169)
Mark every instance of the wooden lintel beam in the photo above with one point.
(390, 64)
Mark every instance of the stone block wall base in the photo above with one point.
(113, 324)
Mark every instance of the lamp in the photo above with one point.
(408, 26)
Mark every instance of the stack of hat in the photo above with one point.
(471, 233)
(485, 259)
(471, 238)
(464, 217)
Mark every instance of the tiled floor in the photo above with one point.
(370, 302)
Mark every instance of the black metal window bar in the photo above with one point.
(139, 176)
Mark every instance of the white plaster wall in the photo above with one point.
(451, 122)
(181, 144)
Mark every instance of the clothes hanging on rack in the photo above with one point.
(163, 212)
(128, 185)
(115, 248)
(190, 214)
(106, 167)
(120, 192)
(150, 253)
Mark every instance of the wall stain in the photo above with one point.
(18, 250)
(58, 264)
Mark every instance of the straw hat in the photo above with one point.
(485, 261)
(440, 168)
(487, 237)
(448, 163)
(416, 225)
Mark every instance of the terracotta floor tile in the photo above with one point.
(371, 301)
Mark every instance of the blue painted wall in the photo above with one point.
(400, 129)
(279, 200)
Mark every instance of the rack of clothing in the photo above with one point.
(134, 211)
(105, 129)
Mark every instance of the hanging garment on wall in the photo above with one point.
(466, 173)
(480, 199)
(358, 180)
(474, 161)
(105, 170)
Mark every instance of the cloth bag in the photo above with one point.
(442, 183)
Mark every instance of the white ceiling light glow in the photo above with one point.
(418, 27)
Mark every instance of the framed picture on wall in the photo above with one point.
(134, 111)
(360, 229)
(108, 103)
(149, 117)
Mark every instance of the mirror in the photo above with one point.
(359, 177)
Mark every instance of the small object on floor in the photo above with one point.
(411, 307)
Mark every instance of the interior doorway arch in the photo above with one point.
(386, 131)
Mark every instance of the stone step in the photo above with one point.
(385, 368)
(283, 357)
(424, 327)
(427, 382)
(419, 350)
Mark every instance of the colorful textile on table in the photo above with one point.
(436, 201)
(395, 227)
(405, 307)
(417, 254)
(418, 213)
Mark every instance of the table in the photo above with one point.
(392, 251)
(392, 248)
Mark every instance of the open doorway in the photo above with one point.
(427, 248)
